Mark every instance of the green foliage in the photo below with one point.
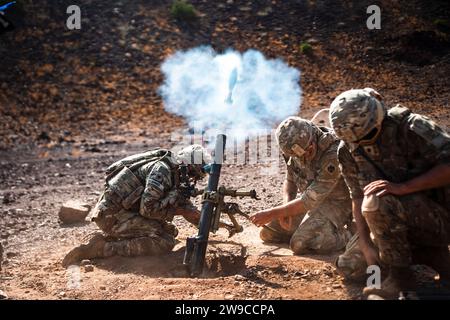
(441, 23)
(306, 48)
(183, 10)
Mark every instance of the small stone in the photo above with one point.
(229, 296)
(312, 41)
(8, 198)
(102, 288)
(11, 254)
(62, 294)
(245, 8)
(336, 286)
(238, 277)
(3, 295)
(85, 262)
(88, 268)
(74, 211)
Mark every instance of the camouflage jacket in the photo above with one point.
(151, 183)
(408, 145)
(320, 180)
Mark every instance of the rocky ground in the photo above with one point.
(241, 267)
(71, 103)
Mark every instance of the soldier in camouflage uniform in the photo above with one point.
(396, 165)
(142, 195)
(316, 221)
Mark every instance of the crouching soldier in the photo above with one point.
(397, 167)
(315, 222)
(142, 194)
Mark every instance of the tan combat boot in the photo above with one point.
(399, 283)
(93, 249)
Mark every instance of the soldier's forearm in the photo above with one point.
(361, 225)
(191, 215)
(292, 208)
(289, 191)
(439, 176)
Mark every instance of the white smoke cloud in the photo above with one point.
(238, 94)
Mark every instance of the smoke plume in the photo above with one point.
(237, 94)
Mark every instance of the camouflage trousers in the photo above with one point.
(316, 233)
(403, 229)
(130, 234)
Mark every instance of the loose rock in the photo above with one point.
(85, 262)
(88, 268)
(3, 295)
(74, 211)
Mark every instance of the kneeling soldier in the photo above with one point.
(142, 195)
(397, 167)
(324, 204)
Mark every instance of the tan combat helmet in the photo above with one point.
(194, 157)
(321, 118)
(295, 135)
(193, 154)
(356, 115)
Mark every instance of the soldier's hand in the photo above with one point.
(384, 187)
(262, 217)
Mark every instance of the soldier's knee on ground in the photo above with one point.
(319, 244)
(318, 236)
(352, 264)
(267, 235)
(299, 246)
(272, 235)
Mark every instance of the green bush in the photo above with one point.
(441, 23)
(306, 48)
(183, 10)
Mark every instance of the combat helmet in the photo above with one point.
(193, 154)
(356, 115)
(196, 158)
(295, 135)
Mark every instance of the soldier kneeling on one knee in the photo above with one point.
(317, 220)
(396, 165)
(142, 195)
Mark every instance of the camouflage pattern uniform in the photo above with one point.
(143, 225)
(322, 191)
(408, 145)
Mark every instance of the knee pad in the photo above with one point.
(267, 235)
(298, 246)
(371, 203)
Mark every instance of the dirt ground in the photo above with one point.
(73, 103)
(241, 267)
